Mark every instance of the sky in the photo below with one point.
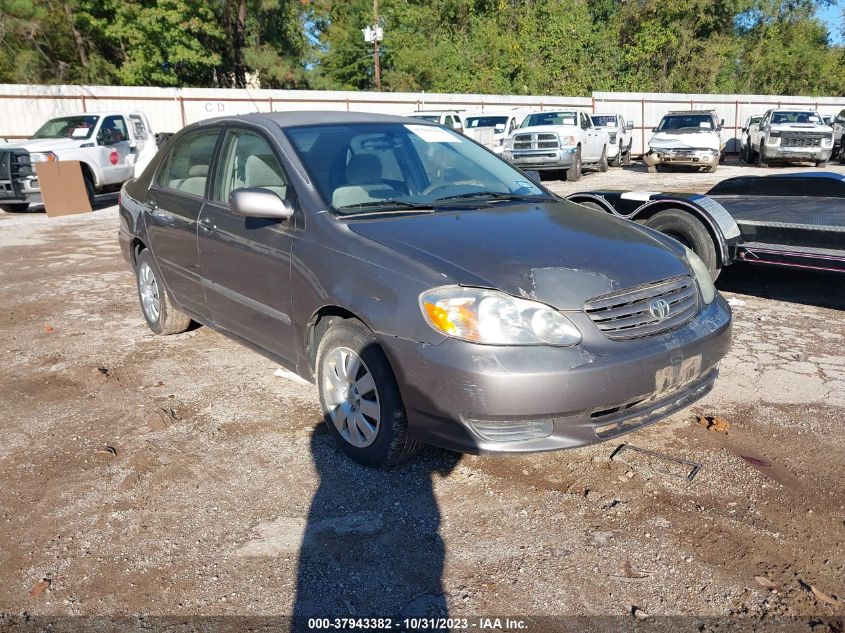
(832, 16)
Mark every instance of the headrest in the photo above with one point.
(198, 170)
(363, 168)
(262, 170)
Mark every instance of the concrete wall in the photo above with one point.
(23, 108)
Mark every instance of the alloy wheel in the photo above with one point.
(148, 289)
(351, 397)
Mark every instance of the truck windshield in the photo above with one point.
(78, 127)
(550, 118)
(604, 120)
(434, 118)
(797, 117)
(363, 168)
(497, 122)
(686, 122)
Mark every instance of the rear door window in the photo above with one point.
(187, 167)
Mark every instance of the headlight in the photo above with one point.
(702, 276)
(42, 157)
(491, 317)
(827, 142)
(568, 141)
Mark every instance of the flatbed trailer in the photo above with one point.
(794, 220)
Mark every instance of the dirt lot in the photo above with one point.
(144, 476)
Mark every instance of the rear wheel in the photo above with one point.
(360, 396)
(689, 231)
(159, 313)
(574, 172)
(17, 207)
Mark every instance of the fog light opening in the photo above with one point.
(511, 430)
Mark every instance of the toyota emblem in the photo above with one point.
(659, 309)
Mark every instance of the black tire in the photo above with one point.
(711, 170)
(89, 190)
(761, 157)
(616, 162)
(392, 443)
(603, 160)
(821, 163)
(573, 174)
(169, 319)
(627, 160)
(689, 231)
(15, 207)
(743, 153)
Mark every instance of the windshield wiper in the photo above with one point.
(489, 195)
(384, 206)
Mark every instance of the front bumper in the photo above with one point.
(469, 397)
(22, 190)
(777, 152)
(693, 157)
(541, 159)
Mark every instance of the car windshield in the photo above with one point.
(386, 167)
(604, 120)
(434, 118)
(686, 122)
(550, 118)
(496, 122)
(797, 117)
(79, 127)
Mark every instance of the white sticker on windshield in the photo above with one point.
(80, 132)
(525, 183)
(433, 134)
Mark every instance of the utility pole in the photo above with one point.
(375, 34)
(375, 45)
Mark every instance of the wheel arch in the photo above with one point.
(135, 248)
(317, 325)
(650, 209)
(88, 172)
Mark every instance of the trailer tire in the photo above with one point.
(16, 207)
(689, 231)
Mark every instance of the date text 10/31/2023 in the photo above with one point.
(419, 624)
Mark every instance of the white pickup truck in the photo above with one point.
(790, 135)
(107, 144)
(558, 140)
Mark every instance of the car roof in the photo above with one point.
(301, 117)
(605, 114)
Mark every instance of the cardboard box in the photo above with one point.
(62, 187)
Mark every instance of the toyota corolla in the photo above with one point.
(432, 291)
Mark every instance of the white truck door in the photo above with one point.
(116, 157)
(591, 150)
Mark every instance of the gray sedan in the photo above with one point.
(434, 292)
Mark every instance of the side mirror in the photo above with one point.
(256, 202)
(629, 125)
(654, 129)
(721, 123)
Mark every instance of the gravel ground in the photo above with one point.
(143, 476)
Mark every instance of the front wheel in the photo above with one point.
(689, 231)
(574, 172)
(159, 313)
(360, 396)
(821, 163)
(762, 161)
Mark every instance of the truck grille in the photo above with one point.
(798, 139)
(5, 165)
(628, 314)
(537, 140)
(14, 163)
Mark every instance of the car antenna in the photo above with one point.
(249, 94)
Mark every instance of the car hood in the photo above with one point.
(685, 140)
(559, 253)
(801, 127)
(560, 129)
(50, 144)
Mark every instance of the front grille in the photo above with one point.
(612, 136)
(540, 140)
(627, 314)
(798, 139)
(5, 165)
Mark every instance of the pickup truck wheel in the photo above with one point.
(159, 313)
(761, 157)
(821, 163)
(17, 207)
(603, 160)
(689, 231)
(574, 172)
(89, 190)
(616, 162)
(652, 169)
(360, 397)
